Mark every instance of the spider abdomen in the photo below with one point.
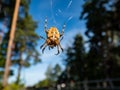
(53, 31)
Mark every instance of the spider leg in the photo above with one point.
(42, 37)
(63, 30)
(61, 47)
(46, 21)
(43, 45)
(61, 39)
(49, 47)
(44, 48)
(58, 50)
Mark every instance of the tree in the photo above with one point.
(25, 36)
(52, 74)
(5, 14)
(25, 41)
(103, 29)
(7, 64)
(102, 32)
(75, 59)
(49, 73)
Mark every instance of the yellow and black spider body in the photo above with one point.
(53, 38)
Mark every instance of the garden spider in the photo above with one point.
(53, 38)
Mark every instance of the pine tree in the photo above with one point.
(25, 40)
(75, 59)
(102, 32)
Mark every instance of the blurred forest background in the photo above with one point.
(94, 68)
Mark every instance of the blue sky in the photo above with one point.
(58, 12)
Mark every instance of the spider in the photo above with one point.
(53, 38)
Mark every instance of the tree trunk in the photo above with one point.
(19, 73)
(12, 31)
(19, 69)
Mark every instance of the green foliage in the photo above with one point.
(6, 12)
(43, 83)
(25, 40)
(14, 86)
(103, 36)
(57, 70)
(52, 74)
(75, 59)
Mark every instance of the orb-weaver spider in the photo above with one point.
(53, 38)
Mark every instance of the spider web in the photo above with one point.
(60, 12)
